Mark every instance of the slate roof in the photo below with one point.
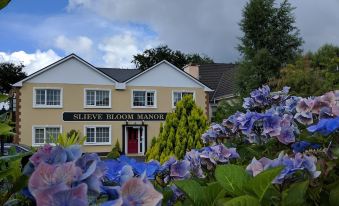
(220, 77)
(120, 75)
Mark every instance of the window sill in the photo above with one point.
(47, 107)
(42, 144)
(143, 107)
(97, 107)
(98, 144)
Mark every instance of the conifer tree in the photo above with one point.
(181, 131)
(270, 40)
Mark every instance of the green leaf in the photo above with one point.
(201, 195)
(245, 200)
(3, 97)
(232, 178)
(334, 196)
(192, 189)
(260, 183)
(295, 195)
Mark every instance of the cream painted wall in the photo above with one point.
(73, 101)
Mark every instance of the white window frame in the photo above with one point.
(45, 105)
(94, 106)
(44, 127)
(144, 90)
(98, 143)
(181, 91)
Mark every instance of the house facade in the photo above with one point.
(105, 104)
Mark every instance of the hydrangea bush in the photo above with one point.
(282, 151)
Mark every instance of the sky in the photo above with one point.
(107, 33)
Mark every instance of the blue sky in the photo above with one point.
(109, 32)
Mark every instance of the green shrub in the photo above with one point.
(180, 132)
(116, 151)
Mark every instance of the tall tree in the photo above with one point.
(270, 41)
(10, 73)
(153, 56)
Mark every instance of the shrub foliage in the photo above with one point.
(181, 132)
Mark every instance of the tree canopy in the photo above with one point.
(150, 57)
(4, 3)
(270, 40)
(10, 73)
(311, 74)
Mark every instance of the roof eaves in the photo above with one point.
(72, 55)
(206, 88)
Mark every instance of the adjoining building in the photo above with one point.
(104, 104)
(220, 77)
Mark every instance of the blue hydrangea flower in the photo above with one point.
(193, 157)
(93, 170)
(301, 146)
(271, 124)
(247, 121)
(215, 131)
(325, 126)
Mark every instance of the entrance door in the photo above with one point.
(133, 137)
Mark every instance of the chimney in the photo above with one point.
(192, 69)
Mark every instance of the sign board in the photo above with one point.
(112, 116)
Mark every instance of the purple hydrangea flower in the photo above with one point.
(305, 105)
(180, 170)
(76, 196)
(247, 121)
(257, 166)
(291, 165)
(126, 173)
(215, 131)
(304, 118)
(193, 157)
(139, 191)
(286, 135)
(210, 156)
(47, 180)
(232, 122)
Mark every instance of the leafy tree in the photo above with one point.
(311, 74)
(327, 57)
(10, 73)
(181, 132)
(270, 41)
(4, 3)
(252, 73)
(150, 57)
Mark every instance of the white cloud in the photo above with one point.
(211, 27)
(118, 50)
(32, 61)
(208, 27)
(80, 45)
